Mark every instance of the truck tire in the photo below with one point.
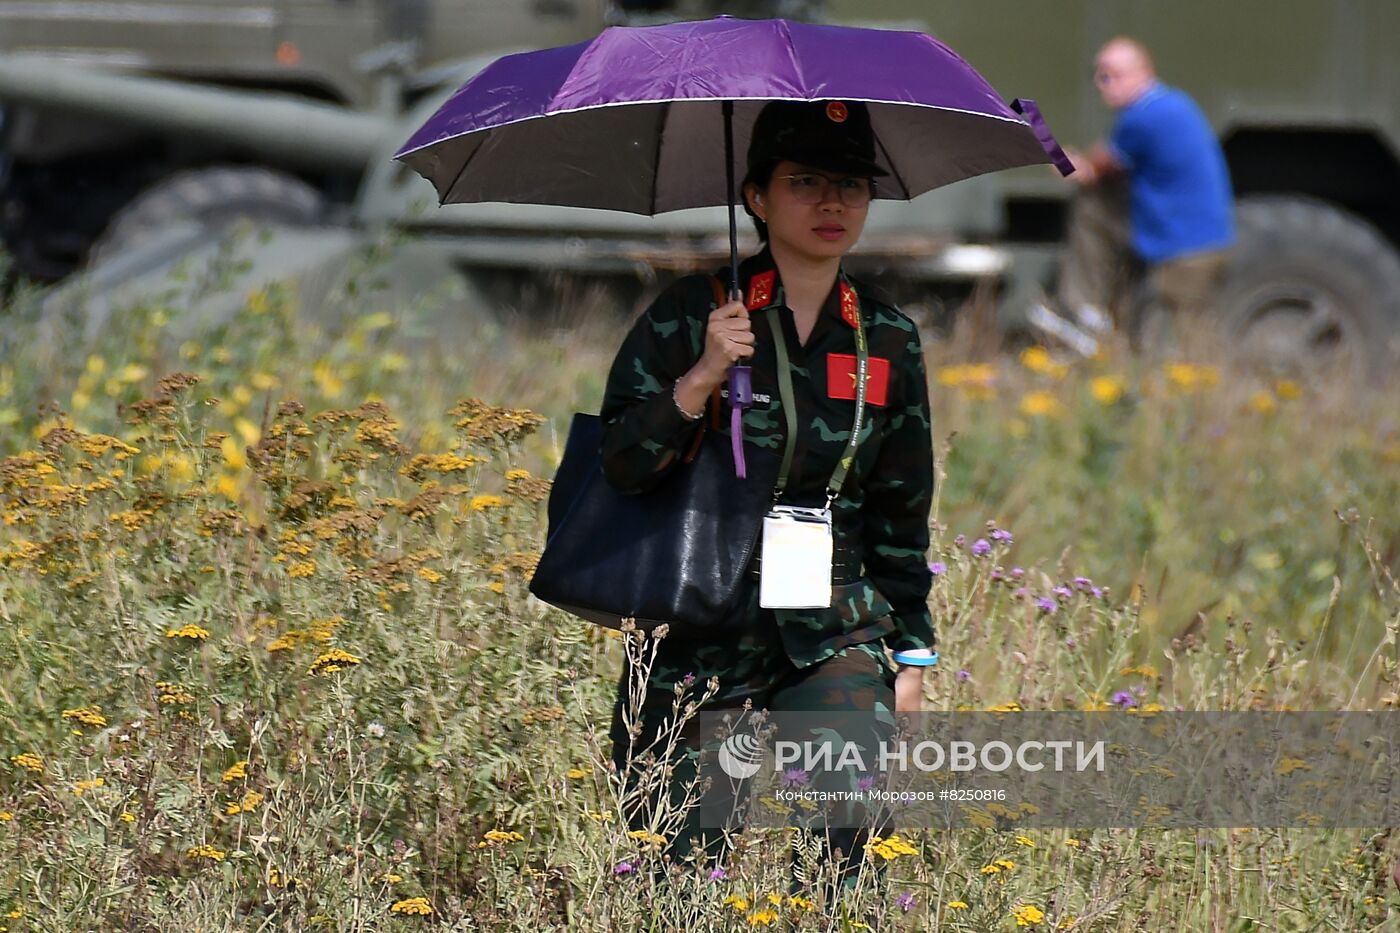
(216, 197)
(1312, 289)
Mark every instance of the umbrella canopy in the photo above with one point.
(629, 120)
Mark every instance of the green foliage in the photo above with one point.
(271, 663)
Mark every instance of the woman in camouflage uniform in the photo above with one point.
(811, 171)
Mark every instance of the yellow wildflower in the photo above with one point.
(647, 838)
(1289, 765)
(1263, 402)
(302, 568)
(248, 804)
(127, 817)
(1106, 389)
(762, 918)
(429, 574)
(83, 787)
(332, 661)
(6, 816)
(800, 902)
(486, 501)
(578, 774)
(237, 771)
(890, 848)
(1288, 389)
(1186, 377)
(87, 715)
(1038, 360)
(1025, 841)
(189, 630)
(1028, 915)
(29, 761)
(1040, 404)
(206, 851)
(957, 905)
(497, 837)
(414, 905)
(737, 902)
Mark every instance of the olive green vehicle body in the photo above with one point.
(104, 102)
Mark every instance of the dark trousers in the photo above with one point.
(856, 680)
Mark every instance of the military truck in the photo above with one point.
(126, 142)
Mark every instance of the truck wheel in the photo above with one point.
(1313, 289)
(216, 197)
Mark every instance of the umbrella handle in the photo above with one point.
(740, 376)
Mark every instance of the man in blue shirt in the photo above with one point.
(1154, 222)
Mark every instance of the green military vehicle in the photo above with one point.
(133, 133)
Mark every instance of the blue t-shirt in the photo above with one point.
(1179, 185)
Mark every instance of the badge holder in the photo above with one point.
(795, 566)
(795, 572)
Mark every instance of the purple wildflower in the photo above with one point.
(1083, 583)
(906, 901)
(960, 540)
(1046, 604)
(963, 676)
(997, 574)
(1017, 572)
(795, 777)
(981, 548)
(1124, 699)
(1002, 535)
(1070, 642)
(624, 868)
(687, 680)
(938, 568)
(1020, 592)
(1063, 592)
(1138, 690)
(718, 873)
(866, 782)
(1096, 592)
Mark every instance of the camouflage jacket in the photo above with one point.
(883, 509)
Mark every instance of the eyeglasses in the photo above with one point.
(811, 188)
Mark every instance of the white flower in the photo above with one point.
(376, 729)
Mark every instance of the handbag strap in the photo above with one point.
(843, 465)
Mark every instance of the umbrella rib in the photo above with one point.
(893, 168)
(656, 162)
(442, 199)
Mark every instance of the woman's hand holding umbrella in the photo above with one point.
(728, 339)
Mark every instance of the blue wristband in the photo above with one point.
(901, 657)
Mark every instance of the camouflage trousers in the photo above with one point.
(753, 667)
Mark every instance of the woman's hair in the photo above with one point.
(761, 175)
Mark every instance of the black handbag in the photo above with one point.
(675, 554)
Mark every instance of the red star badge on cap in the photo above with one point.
(836, 112)
(850, 305)
(760, 291)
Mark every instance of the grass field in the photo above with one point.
(270, 663)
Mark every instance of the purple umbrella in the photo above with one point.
(628, 120)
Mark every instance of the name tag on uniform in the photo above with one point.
(795, 569)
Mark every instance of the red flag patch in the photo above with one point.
(760, 290)
(841, 377)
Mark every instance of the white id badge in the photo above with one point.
(795, 566)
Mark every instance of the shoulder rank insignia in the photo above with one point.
(760, 290)
(850, 305)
